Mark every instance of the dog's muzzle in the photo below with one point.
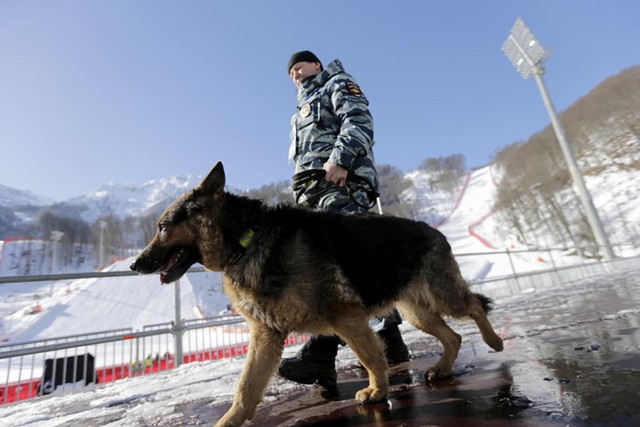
(145, 266)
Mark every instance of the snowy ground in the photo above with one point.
(71, 307)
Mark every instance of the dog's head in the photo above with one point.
(187, 229)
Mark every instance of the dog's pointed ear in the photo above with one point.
(214, 182)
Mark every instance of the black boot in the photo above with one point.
(394, 347)
(314, 363)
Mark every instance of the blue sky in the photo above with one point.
(123, 91)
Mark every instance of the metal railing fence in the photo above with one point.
(40, 367)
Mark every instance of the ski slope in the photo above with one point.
(474, 204)
(473, 207)
(91, 305)
(470, 231)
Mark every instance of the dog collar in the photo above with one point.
(246, 238)
(243, 243)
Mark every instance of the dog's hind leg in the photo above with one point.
(433, 324)
(265, 351)
(369, 349)
(478, 308)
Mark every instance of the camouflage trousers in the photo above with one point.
(334, 198)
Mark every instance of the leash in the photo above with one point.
(308, 179)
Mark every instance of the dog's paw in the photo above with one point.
(230, 420)
(496, 344)
(370, 395)
(435, 373)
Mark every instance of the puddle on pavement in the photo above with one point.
(586, 350)
(598, 374)
(475, 397)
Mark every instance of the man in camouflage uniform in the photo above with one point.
(332, 130)
(332, 147)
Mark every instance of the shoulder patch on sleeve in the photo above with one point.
(353, 88)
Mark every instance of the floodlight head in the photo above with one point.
(524, 50)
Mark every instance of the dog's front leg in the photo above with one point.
(370, 351)
(265, 351)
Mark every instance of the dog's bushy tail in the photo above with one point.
(487, 303)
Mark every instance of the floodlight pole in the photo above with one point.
(576, 175)
(593, 219)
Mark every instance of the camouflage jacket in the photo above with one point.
(333, 123)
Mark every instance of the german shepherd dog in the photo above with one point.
(294, 269)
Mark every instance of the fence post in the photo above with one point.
(555, 267)
(511, 264)
(178, 325)
(513, 268)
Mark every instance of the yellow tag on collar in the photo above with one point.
(245, 240)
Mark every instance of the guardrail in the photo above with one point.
(61, 364)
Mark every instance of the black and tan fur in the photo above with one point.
(318, 272)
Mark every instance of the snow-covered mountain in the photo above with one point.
(117, 199)
(124, 200)
(18, 207)
(12, 198)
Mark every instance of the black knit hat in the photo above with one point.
(302, 56)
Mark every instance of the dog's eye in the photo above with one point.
(162, 227)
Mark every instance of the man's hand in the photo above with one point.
(335, 173)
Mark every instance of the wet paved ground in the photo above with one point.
(571, 358)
